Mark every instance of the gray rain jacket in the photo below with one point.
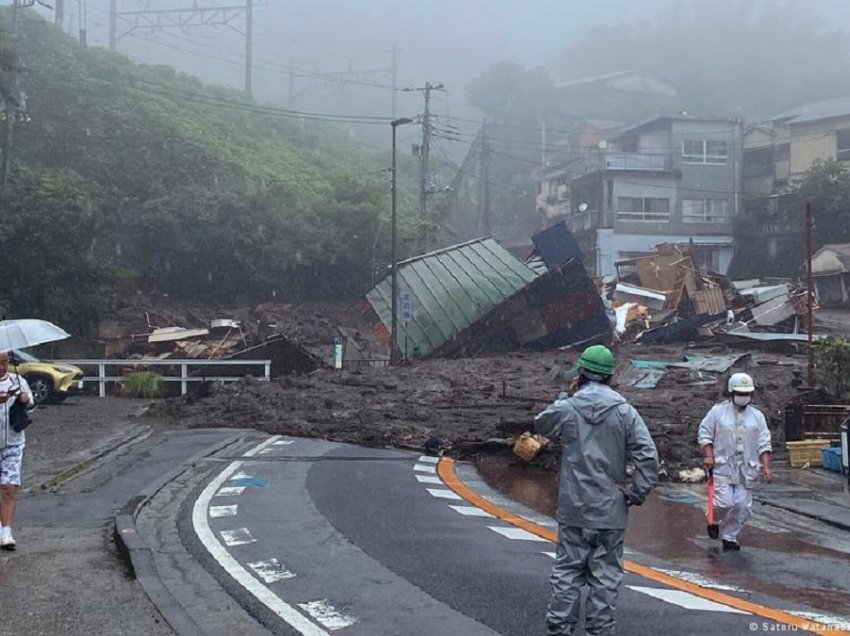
(600, 433)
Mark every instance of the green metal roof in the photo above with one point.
(451, 289)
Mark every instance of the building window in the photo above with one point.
(842, 151)
(707, 258)
(643, 209)
(704, 151)
(705, 210)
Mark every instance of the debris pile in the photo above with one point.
(298, 338)
(664, 298)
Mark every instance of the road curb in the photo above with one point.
(824, 519)
(139, 558)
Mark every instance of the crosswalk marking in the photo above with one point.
(239, 536)
(271, 571)
(424, 468)
(428, 479)
(223, 511)
(685, 599)
(472, 511)
(325, 613)
(516, 533)
(551, 555)
(283, 442)
(443, 494)
(427, 459)
(228, 491)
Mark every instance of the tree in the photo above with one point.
(826, 185)
(832, 360)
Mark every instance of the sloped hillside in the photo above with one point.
(133, 179)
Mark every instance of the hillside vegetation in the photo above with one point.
(132, 179)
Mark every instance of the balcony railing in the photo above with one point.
(637, 161)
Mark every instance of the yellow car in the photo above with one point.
(49, 381)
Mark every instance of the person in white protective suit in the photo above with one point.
(736, 445)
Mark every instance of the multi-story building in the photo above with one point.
(776, 153)
(671, 179)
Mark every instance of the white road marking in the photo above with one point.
(240, 536)
(325, 614)
(271, 571)
(836, 622)
(517, 533)
(241, 476)
(223, 511)
(702, 581)
(472, 511)
(284, 442)
(428, 479)
(685, 599)
(443, 494)
(202, 528)
(551, 554)
(267, 451)
(229, 491)
(427, 459)
(424, 468)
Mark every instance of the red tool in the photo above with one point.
(713, 528)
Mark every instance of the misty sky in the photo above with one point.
(449, 41)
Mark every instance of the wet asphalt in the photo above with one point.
(784, 555)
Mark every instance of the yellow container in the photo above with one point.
(807, 451)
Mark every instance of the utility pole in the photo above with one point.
(113, 14)
(394, 66)
(249, 48)
(810, 309)
(425, 149)
(82, 20)
(59, 13)
(484, 179)
(13, 103)
(394, 272)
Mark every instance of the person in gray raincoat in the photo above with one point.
(600, 433)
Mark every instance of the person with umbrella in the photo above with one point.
(13, 388)
(15, 393)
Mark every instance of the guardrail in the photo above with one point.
(184, 378)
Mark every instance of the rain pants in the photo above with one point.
(600, 433)
(739, 438)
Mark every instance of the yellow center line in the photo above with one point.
(446, 470)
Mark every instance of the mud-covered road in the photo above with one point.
(468, 401)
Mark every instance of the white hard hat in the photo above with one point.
(741, 383)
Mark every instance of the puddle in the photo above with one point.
(671, 526)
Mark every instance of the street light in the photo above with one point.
(394, 276)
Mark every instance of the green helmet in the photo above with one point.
(597, 359)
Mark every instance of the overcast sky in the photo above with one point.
(448, 41)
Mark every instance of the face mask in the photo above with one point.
(741, 400)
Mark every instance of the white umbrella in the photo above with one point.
(28, 332)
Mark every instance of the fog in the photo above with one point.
(335, 55)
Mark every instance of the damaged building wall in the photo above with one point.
(476, 297)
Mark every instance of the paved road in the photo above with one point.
(65, 577)
(313, 537)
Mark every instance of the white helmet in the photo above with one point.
(741, 383)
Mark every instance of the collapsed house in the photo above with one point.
(476, 297)
(664, 297)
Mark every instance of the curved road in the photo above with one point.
(314, 537)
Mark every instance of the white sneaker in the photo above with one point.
(7, 541)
